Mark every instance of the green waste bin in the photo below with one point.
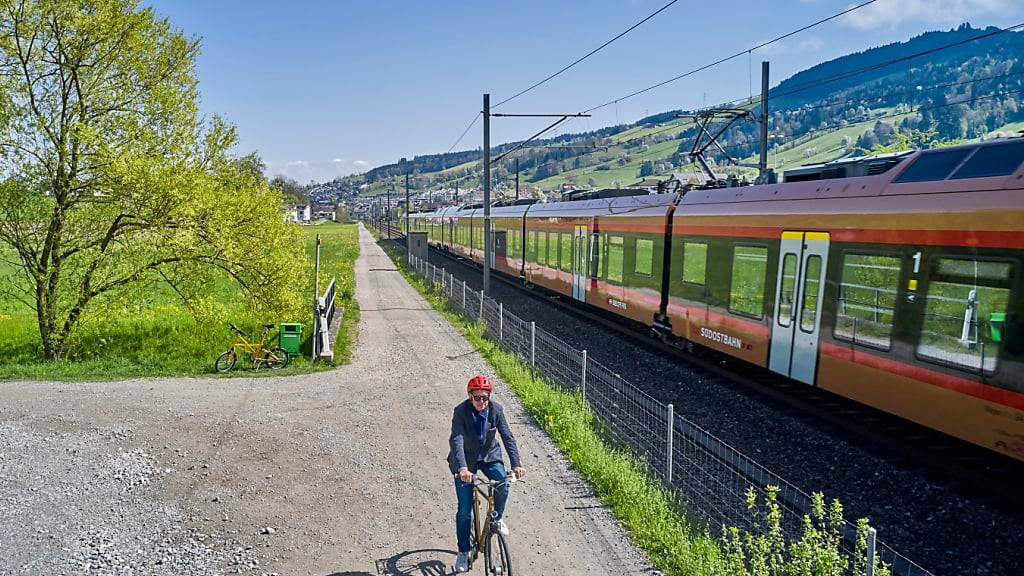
(996, 322)
(290, 337)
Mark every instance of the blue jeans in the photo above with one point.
(464, 516)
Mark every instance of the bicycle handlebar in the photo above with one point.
(236, 329)
(510, 478)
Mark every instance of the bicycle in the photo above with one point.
(275, 358)
(497, 561)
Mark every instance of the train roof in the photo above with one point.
(992, 165)
(638, 205)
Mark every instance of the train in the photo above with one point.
(892, 280)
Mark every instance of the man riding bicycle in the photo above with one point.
(475, 423)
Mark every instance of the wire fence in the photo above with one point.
(709, 477)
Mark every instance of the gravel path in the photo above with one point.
(336, 473)
(927, 520)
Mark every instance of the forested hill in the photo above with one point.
(913, 62)
(934, 89)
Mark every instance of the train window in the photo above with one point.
(644, 264)
(565, 242)
(695, 262)
(595, 251)
(934, 165)
(995, 160)
(812, 283)
(614, 265)
(786, 294)
(553, 250)
(965, 310)
(866, 300)
(542, 247)
(531, 246)
(746, 292)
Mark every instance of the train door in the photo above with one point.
(580, 263)
(500, 246)
(803, 259)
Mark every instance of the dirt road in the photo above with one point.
(336, 473)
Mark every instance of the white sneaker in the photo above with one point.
(502, 529)
(462, 562)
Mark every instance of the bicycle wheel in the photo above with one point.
(497, 561)
(226, 361)
(276, 358)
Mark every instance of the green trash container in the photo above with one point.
(290, 337)
(996, 322)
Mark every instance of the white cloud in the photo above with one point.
(811, 44)
(304, 171)
(773, 49)
(892, 13)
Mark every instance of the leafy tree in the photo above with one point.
(109, 181)
(292, 191)
(646, 168)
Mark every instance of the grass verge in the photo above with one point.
(648, 512)
(163, 338)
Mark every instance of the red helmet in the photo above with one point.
(480, 382)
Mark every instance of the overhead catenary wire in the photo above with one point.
(920, 89)
(731, 57)
(916, 110)
(463, 135)
(842, 76)
(587, 55)
(705, 67)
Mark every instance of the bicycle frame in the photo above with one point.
(485, 489)
(257, 349)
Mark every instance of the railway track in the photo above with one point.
(982, 474)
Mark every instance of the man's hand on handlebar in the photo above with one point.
(465, 475)
(519, 471)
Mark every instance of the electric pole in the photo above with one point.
(407, 207)
(762, 165)
(387, 212)
(517, 178)
(487, 193)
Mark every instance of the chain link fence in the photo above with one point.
(709, 477)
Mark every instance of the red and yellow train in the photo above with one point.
(894, 281)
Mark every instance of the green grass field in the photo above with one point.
(164, 337)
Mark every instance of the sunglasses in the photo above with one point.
(481, 398)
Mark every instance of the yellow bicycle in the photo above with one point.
(274, 358)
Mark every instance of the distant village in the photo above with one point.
(327, 203)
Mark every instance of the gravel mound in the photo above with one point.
(71, 507)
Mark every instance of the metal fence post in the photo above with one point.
(501, 321)
(583, 377)
(463, 296)
(481, 315)
(668, 451)
(451, 287)
(533, 344)
(872, 536)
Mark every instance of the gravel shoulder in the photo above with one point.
(335, 473)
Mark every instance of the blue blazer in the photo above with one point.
(465, 448)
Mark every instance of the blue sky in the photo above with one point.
(327, 88)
